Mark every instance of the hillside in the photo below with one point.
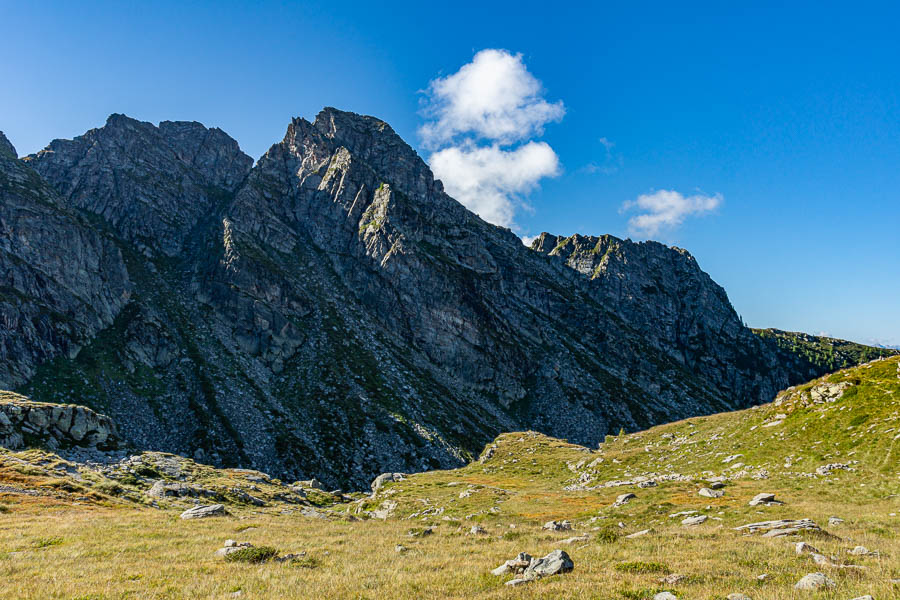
(824, 352)
(331, 312)
(827, 450)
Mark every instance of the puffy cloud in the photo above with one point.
(489, 180)
(480, 121)
(667, 209)
(493, 97)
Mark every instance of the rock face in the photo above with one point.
(330, 312)
(172, 176)
(61, 281)
(23, 422)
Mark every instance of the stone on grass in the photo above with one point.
(672, 579)
(556, 562)
(201, 512)
(738, 596)
(638, 533)
(232, 546)
(665, 596)
(781, 527)
(689, 521)
(710, 493)
(515, 582)
(379, 481)
(624, 499)
(866, 597)
(833, 521)
(515, 566)
(804, 548)
(813, 581)
(578, 538)
(477, 530)
(557, 526)
(765, 498)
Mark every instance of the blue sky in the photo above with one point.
(775, 130)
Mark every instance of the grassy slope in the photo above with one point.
(52, 548)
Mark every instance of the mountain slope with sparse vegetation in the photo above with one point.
(662, 510)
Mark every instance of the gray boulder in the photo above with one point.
(379, 481)
(813, 581)
(554, 563)
(710, 493)
(201, 512)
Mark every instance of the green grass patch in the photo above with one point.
(642, 567)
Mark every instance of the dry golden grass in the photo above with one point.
(106, 553)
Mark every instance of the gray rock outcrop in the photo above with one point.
(26, 423)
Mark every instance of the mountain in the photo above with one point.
(330, 311)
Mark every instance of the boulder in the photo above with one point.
(697, 520)
(379, 481)
(515, 566)
(813, 581)
(557, 526)
(554, 563)
(780, 527)
(624, 499)
(201, 512)
(665, 596)
(232, 546)
(765, 498)
(710, 493)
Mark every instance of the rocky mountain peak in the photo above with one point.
(6, 146)
(151, 183)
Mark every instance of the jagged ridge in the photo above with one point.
(332, 312)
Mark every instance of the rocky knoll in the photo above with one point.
(23, 422)
(331, 312)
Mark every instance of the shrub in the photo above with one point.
(607, 535)
(255, 554)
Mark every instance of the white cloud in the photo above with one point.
(489, 180)
(667, 209)
(481, 119)
(493, 97)
(528, 240)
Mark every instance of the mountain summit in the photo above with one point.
(332, 312)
